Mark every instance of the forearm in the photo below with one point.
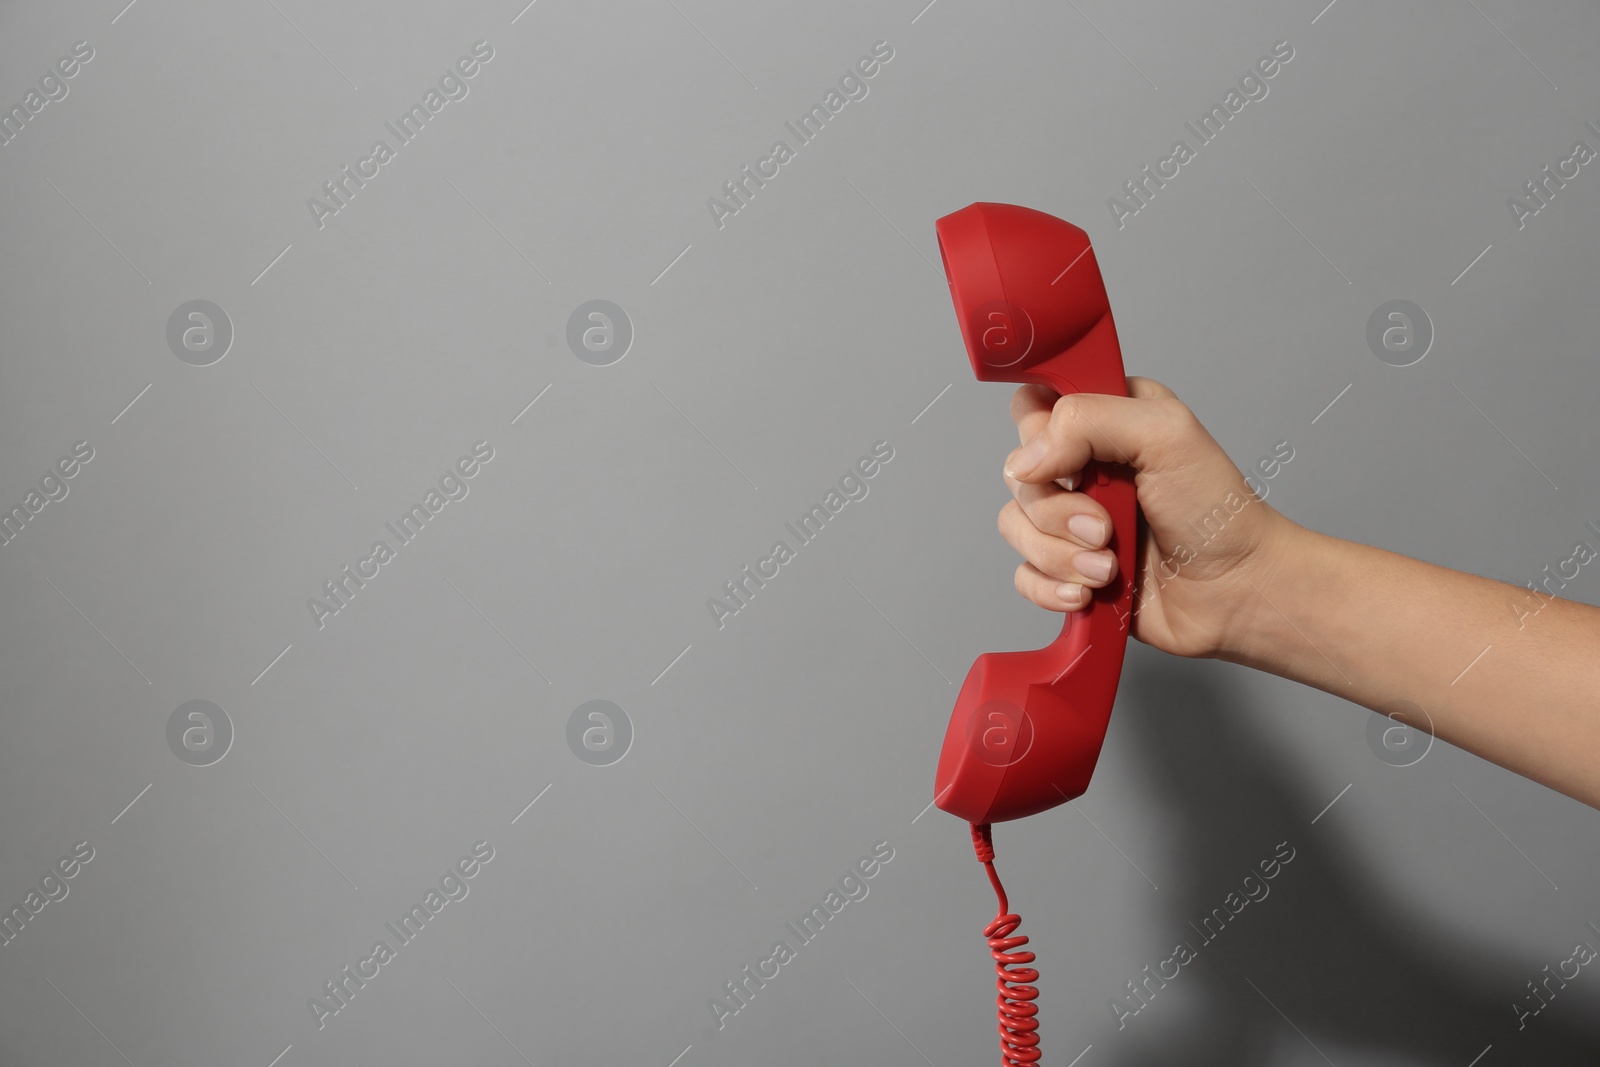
(1501, 672)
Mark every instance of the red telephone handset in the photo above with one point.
(1028, 726)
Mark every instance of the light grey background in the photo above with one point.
(768, 356)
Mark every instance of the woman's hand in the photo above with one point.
(1207, 536)
(1507, 672)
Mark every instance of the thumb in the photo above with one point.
(1138, 431)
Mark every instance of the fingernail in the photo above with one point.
(1070, 593)
(1089, 529)
(1024, 459)
(1095, 566)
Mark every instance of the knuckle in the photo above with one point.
(1007, 519)
(1139, 385)
(1067, 410)
(1179, 419)
(1069, 421)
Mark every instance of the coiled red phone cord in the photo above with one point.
(1019, 1025)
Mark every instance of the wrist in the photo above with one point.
(1276, 596)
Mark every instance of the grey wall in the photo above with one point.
(372, 750)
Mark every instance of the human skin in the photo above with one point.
(1377, 628)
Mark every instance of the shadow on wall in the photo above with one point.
(1334, 950)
